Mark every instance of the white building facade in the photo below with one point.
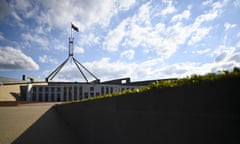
(70, 91)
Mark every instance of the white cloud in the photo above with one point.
(223, 53)
(198, 35)
(15, 59)
(228, 26)
(129, 54)
(204, 51)
(60, 14)
(169, 9)
(207, 2)
(236, 3)
(114, 37)
(143, 15)
(125, 4)
(83, 13)
(206, 17)
(78, 50)
(89, 39)
(238, 44)
(47, 59)
(1, 36)
(178, 17)
(106, 69)
(16, 16)
(138, 31)
(40, 40)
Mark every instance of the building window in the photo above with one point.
(34, 97)
(70, 91)
(107, 90)
(91, 88)
(40, 89)
(65, 91)
(58, 89)
(46, 97)
(34, 89)
(111, 90)
(40, 97)
(92, 94)
(58, 97)
(97, 94)
(75, 92)
(52, 97)
(46, 89)
(102, 90)
(80, 92)
(86, 95)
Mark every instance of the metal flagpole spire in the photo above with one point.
(70, 56)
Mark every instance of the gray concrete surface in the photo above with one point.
(14, 120)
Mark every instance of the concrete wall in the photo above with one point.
(201, 113)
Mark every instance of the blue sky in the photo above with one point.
(141, 39)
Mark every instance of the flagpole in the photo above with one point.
(71, 29)
(71, 57)
(71, 42)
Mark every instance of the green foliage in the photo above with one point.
(171, 83)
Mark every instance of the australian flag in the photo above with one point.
(75, 28)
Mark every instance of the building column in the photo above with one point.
(29, 92)
(49, 94)
(67, 94)
(43, 94)
(72, 93)
(61, 93)
(37, 94)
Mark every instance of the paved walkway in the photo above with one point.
(14, 120)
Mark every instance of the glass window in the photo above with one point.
(58, 89)
(40, 97)
(70, 91)
(52, 97)
(65, 91)
(102, 90)
(80, 91)
(92, 94)
(34, 97)
(107, 90)
(46, 97)
(111, 90)
(91, 88)
(86, 95)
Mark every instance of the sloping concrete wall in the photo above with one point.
(201, 113)
(7, 91)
